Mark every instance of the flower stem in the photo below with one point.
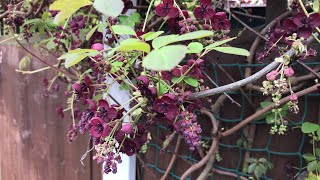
(147, 15)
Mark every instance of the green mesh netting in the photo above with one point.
(241, 150)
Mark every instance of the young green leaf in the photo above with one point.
(308, 127)
(122, 29)
(195, 35)
(75, 56)
(309, 157)
(92, 30)
(134, 46)
(270, 118)
(218, 43)
(151, 35)
(316, 6)
(312, 166)
(195, 47)
(25, 63)
(164, 40)
(162, 88)
(191, 81)
(109, 8)
(165, 59)
(67, 8)
(232, 50)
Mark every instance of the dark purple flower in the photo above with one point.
(84, 90)
(220, 21)
(107, 112)
(99, 128)
(172, 22)
(301, 24)
(59, 111)
(145, 88)
(205, 11)
(167, 106)
(166, 8)
(127, 5)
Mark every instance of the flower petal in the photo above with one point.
(173, 12)
(95, 131)
(205, 2)
(172, 113)
(161, 11)
(297, 19)
(314, 20)
(289, 26)
(198, 13)
(304, 32)
(209, 14)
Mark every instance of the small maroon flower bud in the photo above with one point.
(97, 46)
(127, 128)
(293, 97)
(289, 72)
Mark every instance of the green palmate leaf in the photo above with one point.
(270, 118)
(165, 59)
(92, 30)
(317, 152)
(165, 40)
(258, 172)
(74, 59)
(195, 35)
(151, 35)
(263, 168)
(251, 160)
(122, 29)
(191, 81)
(130, 20)
(176, 80)
(75, 56)
(316, 6)
(67, 8)
(218, 43)
(134, 46)
(308, 127)
(251, 168)
(162, 88)
(25, 63)
(311, 176)
(232, 50)
(112, 8)
(309, 157)
(312, 166)
(195, 47)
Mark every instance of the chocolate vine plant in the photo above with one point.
(157, 54)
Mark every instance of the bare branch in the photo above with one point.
(245, 81)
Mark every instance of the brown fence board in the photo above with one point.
(33, 143)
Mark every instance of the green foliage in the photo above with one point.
(123, 29)
(272, 115)
(168, 39)
(195, 47)
(165, 58)
(258, 167)
(191, 81)
(96, 27)
(219, 43)
(73, 57)
(131, 20)
(109, 8)
(232, 50)
(308, 127)
(67, 8)
(151, 35)
(316, 6)
(131, 44)
(25, 63)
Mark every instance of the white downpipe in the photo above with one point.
(126, 169)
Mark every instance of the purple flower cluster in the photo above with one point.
(189, 128)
